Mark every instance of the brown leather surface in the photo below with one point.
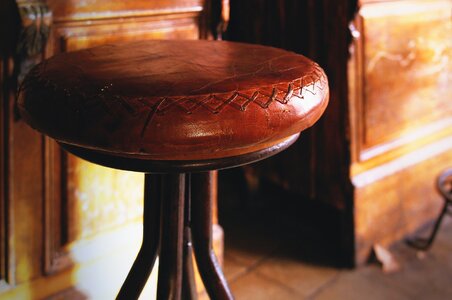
(174, 99)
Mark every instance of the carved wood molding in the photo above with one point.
(35, 20)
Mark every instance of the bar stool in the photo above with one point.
(175, 110)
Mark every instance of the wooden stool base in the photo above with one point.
(177, 222)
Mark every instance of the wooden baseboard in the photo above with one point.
(400, 200)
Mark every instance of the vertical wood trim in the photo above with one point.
(356, 91)
(56, 257)
(361, 81)
(3, 178)
(6, 255)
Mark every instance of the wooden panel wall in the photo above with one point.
(88, 199)
(400, 112)
(63, 221)
(405, 50)
(21, 160)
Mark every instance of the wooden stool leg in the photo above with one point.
(172, 231)
(201, 213)
(188, 279)
(142, 267)
(188, 283)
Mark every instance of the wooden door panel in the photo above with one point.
(99, 198)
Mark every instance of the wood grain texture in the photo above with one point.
(25, 179)
(74, 10)
(407, 70)
(70, 36)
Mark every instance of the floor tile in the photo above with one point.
(233, 268)
(304, 278)
(253, 286)
(352, 285)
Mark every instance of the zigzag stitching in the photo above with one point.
(293, 90)
(296, 88)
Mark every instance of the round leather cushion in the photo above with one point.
(174, 100)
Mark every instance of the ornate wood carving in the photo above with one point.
(36, 19)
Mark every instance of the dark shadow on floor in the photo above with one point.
(272, 220)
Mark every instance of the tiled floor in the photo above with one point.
(263, 263)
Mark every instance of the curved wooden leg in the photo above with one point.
(142, 267)
(201, 221)
(173, 217)
(172, 231)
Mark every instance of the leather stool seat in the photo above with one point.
(174, 100)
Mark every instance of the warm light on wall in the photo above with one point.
(101, 198)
